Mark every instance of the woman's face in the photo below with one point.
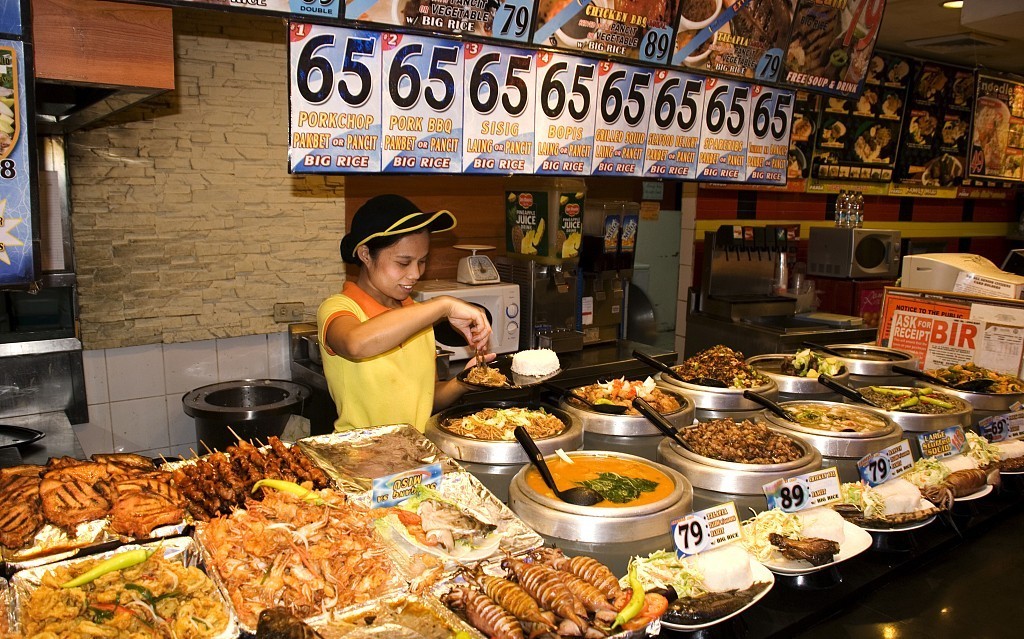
(396, 268)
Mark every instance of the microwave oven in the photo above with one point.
(853, 253)
(499, 301)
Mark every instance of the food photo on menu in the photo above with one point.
(612, 27)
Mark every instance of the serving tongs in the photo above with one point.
(668, 370)
(568, 393)
(578, 495)
(847, 391)
(824, 349)
(662, 424)
(758, 398)
(968, 386)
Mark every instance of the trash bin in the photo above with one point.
(252, 408)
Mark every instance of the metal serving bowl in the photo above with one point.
(556, 519)
(503, 453)
(629, 425)
(792, 385)
(923, 422)
(872, 365)
(984, 404)
(719, 399)
(840, 449)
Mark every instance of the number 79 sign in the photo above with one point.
(877, 468)
(706, 529)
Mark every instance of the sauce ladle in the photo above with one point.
(668, 370)
(578, 496)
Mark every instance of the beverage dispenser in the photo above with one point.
(607, 252)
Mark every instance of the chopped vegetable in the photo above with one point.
(757, 528)
(119, 561)
(980, 450)
(636, 600)
(926, 472)
(619, 489)
(662, 569)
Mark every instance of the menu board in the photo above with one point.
(500, 19)
(368, 102)
(335, 89)
(10, 17)
(620, 129)
(831, 44)
(857, 139)
(673, 130)
(934, 149)
(300, 9)
(566, 91)
(421, 108)
(16, 254)
(801, 141)
(997, 135)
(723, 139)
(633, 29)
(498, 116)
(737, 38)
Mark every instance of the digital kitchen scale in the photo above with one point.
(476, 269)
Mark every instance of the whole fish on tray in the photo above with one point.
(434, 521)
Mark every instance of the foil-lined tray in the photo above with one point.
(394, 616)
(494, 569)
(6, 610)
(397, 579)
(179, 549)
(511, 536)
(354, 458)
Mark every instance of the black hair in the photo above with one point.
(381, 242)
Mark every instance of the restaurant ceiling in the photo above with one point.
(985, 33)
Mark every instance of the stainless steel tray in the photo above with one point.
(631, 425)
(712, 398)
(771, 364)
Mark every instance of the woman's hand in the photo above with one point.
(473, 361)
(471, 321)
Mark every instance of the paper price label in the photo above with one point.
(1002, 427)
(421, 104)
(394, 489)
(673, 130)
(512, 20)
(942, 443)
(804, 491)
(499, 111)
(887, 464)
(334, 91)
(768, 136)
(706, 529)
(620, 132)
(566, 102)
(723, 144)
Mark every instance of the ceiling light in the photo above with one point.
(953, 4)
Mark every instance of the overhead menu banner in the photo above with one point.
(16, 247)
(500, 19)
(738, 38)
(304, 9)
(831, 44)
(369, 102)
(997, 136)
(634, 29)
(10, 17)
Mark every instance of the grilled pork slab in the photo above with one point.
(19, 524)
(69, 503)
(137, 513)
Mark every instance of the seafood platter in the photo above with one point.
(993, 396)
(796, 375)
(731, 461)
(842, 433)
(715, 380)
(869, 364)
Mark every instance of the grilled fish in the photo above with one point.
(445, 524)
(817, 552)
(688, 611)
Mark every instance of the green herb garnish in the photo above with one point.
(618, 488)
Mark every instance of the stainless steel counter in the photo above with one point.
(60, 439)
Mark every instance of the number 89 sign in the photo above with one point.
(334, 95)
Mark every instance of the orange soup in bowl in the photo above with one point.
(624, 482)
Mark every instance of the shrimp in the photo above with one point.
(485, 615)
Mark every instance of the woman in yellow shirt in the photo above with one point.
(376, 343)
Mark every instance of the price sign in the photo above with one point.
(706, 529)
(394, 489)
(334, 93)
(673, 130)
(768, 135)
(499, 110)
(998, 428)
(512, 20)
(804, 491)
(723, 140)
(17, 259)
(421, 104)
(566, 102)
(501, 19)
(600, 27)
(10, 17)
(620, 132)
(887, 464)
(942, 443)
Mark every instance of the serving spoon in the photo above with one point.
(662, 424)
(758, 398)
(824, 349)
(970, 385)
(608, 409)
(668, 370)
(846, 391)
(578, 496)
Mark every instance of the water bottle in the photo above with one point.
(840, 207)
(858, 210)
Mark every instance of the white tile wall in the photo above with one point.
(134, 393)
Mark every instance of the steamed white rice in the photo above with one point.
(535, 362)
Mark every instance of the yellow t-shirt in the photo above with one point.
(396, 387)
